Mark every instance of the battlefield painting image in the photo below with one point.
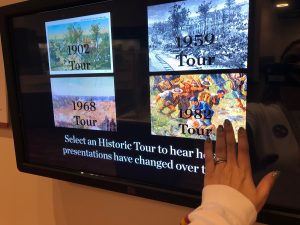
(84, 103)
(80, 45)
(193, 106)
(198, 35)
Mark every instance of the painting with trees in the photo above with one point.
(198, 34)
(80, 45)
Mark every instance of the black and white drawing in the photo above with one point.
(198, 35)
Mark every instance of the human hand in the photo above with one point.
(231, 166)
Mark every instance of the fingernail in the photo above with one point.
(227, 123)
(208, 140)
(220, 128)
(242, 130)
(276, 174)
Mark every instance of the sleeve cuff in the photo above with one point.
(227, 203)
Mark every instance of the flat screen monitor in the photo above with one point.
(107, 95)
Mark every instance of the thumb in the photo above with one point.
(264, 188)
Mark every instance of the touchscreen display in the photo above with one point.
(130, 94)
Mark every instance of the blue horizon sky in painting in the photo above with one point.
(59, 27)
(83, 86)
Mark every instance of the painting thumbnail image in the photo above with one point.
(84, 103)
(198, 35)
(193, 106)
(80, 45)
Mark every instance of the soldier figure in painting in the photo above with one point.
(216, 98)
(169, 99)
(168, 82)
(202, 115)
